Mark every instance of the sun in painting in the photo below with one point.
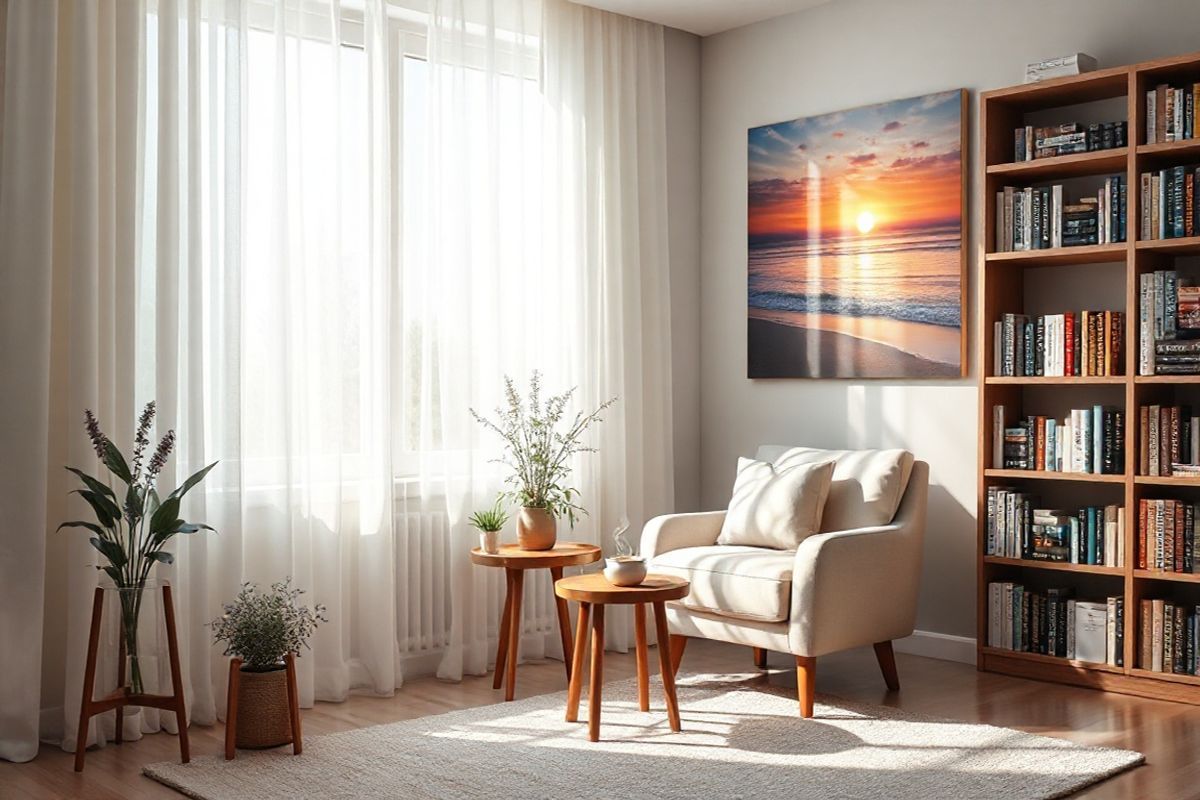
(865, 221)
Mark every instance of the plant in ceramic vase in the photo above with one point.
(134, 523)
(540, 442)
(490, 522)
(261, 628)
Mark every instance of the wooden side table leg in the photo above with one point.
(176, 676)
(505, 622)
(564, 620)
(294, 704)
(668, 673)
(231, 708)
(575, 687)
(120, 710)
(89, 679)
(678, 644)
(643, 657)
(514, 633)
(597, 672)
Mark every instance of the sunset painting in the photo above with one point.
(856, 248)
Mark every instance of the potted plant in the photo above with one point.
(489, 522)
(261, 628)
(133, 524)
(538, 451)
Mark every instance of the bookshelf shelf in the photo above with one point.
(1054, 566)
(1168, 480)
(1184, 246)
(1070, 380)
(1063, 256)
(1151, 379)
(1007, 286)
(1156, 575)
(1192, 680)
(1076, 164)
(1045, 475)
(1039, 658)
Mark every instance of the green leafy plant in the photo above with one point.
(539, 446)
(261, 628)
(492, 519)
(133, 522)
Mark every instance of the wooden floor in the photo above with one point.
(1169, 734)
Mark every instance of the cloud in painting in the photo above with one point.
(862, 159)
(894, 125)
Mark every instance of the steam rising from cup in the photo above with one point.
(618, 535)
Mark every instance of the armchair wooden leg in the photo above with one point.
(678, 644)
(806, 683)
(760, 657)
(887, 664)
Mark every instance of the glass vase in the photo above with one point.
(136, 635)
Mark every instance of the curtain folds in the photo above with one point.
(317, 235)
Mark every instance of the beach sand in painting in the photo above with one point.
(779, 350)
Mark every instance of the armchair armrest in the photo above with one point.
(854, 588)
(677, 531)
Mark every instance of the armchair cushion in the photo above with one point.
(776, 506)
(753, 583)
(867, 484)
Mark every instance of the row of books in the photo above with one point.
(1170, 205)
(1171, 113)
(1031, 142)
(1168, 441)
(1056, 345)
(1037, 218)
(1168, 633)
(1054, 623)
(1168, 324)
(1167, 535)
(1016, 529)
(1089, 440)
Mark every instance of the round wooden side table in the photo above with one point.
(593, 592)
(515, 561)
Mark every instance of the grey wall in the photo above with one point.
(840, 55)
(682, 54)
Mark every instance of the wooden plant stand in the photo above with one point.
(231, 707)
(122, 697)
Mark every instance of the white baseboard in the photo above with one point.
(938, 645)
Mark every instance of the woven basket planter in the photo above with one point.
(262, 715)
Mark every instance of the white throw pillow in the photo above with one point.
(776, 508)
(867, 487)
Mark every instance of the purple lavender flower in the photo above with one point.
(99, 440)
(161, 454)
(142, 438)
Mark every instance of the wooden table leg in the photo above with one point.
(294, 705)
(664, 657)
(89, 679)
(643, 657)
(120, 710)
(176, 676)
(597, 673)
(564, 620)
(231, 708)
(514, 633)
(575, 686)
(505, 621)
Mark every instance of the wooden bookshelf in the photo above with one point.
(1004, 280)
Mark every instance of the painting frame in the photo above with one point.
(797, 327)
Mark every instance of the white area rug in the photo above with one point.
(738, 741)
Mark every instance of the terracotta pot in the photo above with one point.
(537, 529)
(262, 710)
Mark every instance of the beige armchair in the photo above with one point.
(846, 586)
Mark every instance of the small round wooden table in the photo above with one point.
(515, 561)
(594, 592)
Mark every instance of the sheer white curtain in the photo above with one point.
(317, 234)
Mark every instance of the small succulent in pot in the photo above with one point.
(490, 522)
(261, 628)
